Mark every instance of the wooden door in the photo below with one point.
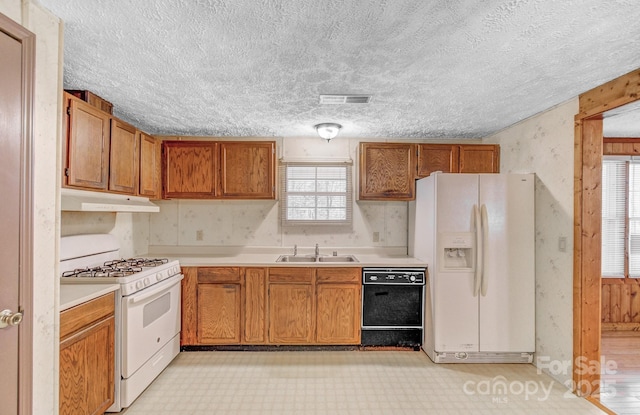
(149, 166)
(86, 370)
(17, 48)
(254, 306)
(479, 158)
(123, 165)
(437, 157)
(338, 313)
(87, 150)
(219, 313)
(247, 170)
(219, 305)
(387, 171)
(190, 169)
(291, 305)
(290, 313)
(338, 308)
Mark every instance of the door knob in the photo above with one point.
(7, 318)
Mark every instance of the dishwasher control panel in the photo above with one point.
(404, 276)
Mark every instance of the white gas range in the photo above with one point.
(147, 308)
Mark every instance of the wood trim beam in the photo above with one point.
(613, 94)
(588, 146)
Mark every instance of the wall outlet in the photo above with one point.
(199, 235)
(376, 237)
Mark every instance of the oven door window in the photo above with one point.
(392, 306)
(156, 309)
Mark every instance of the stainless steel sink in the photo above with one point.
(295, 258)
(338, 258)
(304, 258)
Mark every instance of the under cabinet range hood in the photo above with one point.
(83, 201)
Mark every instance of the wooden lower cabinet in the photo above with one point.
(338, 309)
(255, 292)
(291, 294)
(87, 353)
(219, 305)
(271, 306)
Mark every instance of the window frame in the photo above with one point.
(284, 194)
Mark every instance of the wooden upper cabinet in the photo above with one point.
(437, 157)
(123, 163)
(458, 158)
(190, 169)
(387, 171)
(150, 172)
(483, 158)
(87, 150)
(247, 170)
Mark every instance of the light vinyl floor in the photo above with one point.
(349, 382)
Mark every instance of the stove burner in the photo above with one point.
(104, 271)
(136, 262)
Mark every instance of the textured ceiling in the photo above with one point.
(448, 68)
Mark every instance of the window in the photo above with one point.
(315, 193)
(620, 217)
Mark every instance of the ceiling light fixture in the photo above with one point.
(328, 130)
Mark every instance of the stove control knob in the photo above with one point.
(159, 276)
(412, 278)
(374, 278)
(139, 285)
(146, 282)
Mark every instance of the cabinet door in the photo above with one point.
(479, 158)
(189, 307)
(247, 170)
(87, 150)
(291, 313)
(254, 306)
(219, 313)
(149, 167)
(437, 157)
(338, 313)
(190, 169)
(387, 171)
(86, 370)
(123, 165)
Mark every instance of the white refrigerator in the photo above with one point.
(476, 232)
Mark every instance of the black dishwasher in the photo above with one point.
(393, 306)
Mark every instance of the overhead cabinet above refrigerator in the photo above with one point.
(476, 232)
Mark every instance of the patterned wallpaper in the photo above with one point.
(543, 144)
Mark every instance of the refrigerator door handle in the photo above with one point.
(485, 248)
(477, 276)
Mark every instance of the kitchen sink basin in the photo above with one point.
(338, 258)
(295, 258)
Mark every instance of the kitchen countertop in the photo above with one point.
(198, 257)
(72, 295)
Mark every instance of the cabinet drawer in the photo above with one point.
(339, 275)
(82, 315)
(218, 274)
(291, 275)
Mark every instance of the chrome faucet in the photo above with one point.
(317, 251)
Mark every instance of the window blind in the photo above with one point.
(614, 210)
(318, 193)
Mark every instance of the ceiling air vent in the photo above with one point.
(345, 99)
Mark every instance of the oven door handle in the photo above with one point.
(158, 288)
